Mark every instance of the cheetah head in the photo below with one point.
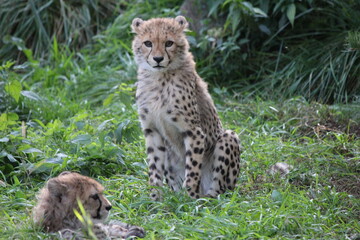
(70, 186)
(58, 199)
(160, 43)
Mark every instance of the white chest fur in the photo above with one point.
(160, 99)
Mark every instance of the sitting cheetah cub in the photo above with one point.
(58, 199)
(186, 143)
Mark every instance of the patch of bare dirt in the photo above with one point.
(348, 184)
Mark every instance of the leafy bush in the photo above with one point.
(35, 23)
(283, 48)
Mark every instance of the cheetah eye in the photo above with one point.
(169, 43)
(95, 196)
(148, 44)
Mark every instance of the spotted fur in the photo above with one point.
(58, 199)
(186, 143)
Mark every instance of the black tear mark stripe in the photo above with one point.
(168, 55)
(99, 209)
(147, 57)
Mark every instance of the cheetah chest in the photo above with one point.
(161, 106)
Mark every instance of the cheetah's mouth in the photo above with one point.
(158, 66)
(99, 218)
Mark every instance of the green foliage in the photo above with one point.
(14, 89)
(354, 40)
(273, 44)
(35, 23)
(283, 48)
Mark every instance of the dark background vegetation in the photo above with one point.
(261, 48)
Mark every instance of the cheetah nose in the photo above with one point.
(108, 207)
(158, 59)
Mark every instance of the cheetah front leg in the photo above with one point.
(155, 156)
(225, 168)
(194, 146)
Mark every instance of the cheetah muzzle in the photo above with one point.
(185, 141)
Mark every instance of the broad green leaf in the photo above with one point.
(3, 154)
(215, 6)
(260, 12)
(7, 119)
(19, 194)
(264, 29)
(120, 131)
(31, 95)
(11, 158)
(14, 89)
(80, 125)
(40, 123)
(7, 65)
(82, 139)
(290, 13)
(103, 124)
(16, 180)
(3, 121)
(12, 117)
(276, 196)
(28, 53)
(32, 150)
(108, 100)
(54, 160)
(4, 139)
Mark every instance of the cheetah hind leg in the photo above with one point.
(225, 168)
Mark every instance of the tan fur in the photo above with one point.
(186, 143)
(57, 201)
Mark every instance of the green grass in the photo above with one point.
(79, 111)
(312, 202)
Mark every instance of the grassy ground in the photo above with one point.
(319, 199)
(76, 112)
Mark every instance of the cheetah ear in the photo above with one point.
(64, 173)
(182, 21)
(56, 188)
(136, 24)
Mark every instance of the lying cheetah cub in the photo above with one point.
(186, 143)
(57, 200)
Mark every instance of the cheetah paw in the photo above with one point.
(136, 231)
(123, 230)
